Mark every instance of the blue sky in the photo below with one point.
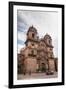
(44, 22)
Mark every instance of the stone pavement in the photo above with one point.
(36, 76)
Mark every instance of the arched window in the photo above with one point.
(32, 44)
(33, 35)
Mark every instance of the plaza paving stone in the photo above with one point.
(36, 76)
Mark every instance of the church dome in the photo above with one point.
(48, 40)
(32, 29)
(47, 36)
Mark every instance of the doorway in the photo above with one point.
(43, 67)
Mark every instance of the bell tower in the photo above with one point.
(50, 54)
(48, 41)
(32, 38)
(32, 33)
(32, 45)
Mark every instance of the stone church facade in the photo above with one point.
(37, 56)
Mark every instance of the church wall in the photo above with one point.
(31, 65)
(51, 65)
(42, 51)
(49, 49)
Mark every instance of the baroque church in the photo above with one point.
(37, 55)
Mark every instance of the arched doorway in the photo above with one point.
(43, 67)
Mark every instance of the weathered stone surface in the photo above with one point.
(37, 56)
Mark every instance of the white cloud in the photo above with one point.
(19, 47)
(44, 22)
(21, 36)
